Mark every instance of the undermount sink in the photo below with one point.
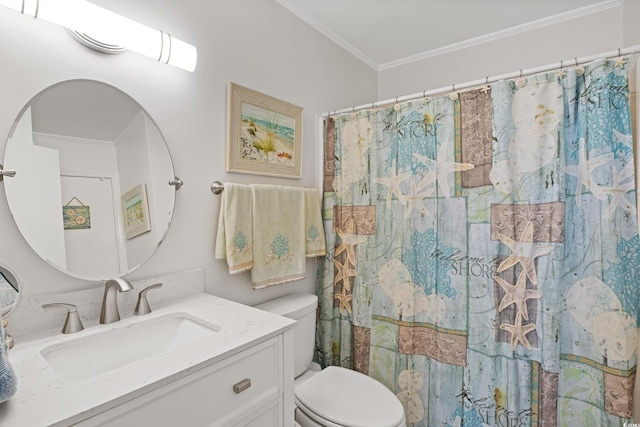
(84, 357)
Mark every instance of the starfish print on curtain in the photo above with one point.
(344, 299)
(415, 199)
(518, 294)
(345, 270)
(618, 191)
(441, 168)
(524, 252)
(519, 332)
(393, 183)
(347, 244)
(583, 171)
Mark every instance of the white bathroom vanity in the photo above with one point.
(198, 361)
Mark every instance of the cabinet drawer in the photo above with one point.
(223, 391)
(245, 378)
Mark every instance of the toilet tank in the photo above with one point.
(302, 308)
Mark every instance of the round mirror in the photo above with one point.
(9, 291)
(91, 191)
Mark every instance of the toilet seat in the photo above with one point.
(339, 397)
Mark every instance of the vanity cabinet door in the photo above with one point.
(242, 390)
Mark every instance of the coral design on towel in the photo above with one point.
(270, 230)
(313, 235)
(240, 244)
(280, 250)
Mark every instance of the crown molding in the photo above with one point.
(533, 25)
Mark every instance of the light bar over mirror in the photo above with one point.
(104, 27)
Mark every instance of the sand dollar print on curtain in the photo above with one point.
(484, 251)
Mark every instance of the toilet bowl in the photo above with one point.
(334, 396)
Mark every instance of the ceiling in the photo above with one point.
(389, 33)
(83, 109)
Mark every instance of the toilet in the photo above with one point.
(334, 396)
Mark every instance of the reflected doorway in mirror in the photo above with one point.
(136, 211)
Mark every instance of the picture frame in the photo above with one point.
(264, 134)
(76, 217)
(135, 207)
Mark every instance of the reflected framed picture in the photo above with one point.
(136, 211)
(264, 134)
(76, 217)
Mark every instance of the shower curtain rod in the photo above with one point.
(453, 88)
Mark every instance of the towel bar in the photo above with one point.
(217, 187)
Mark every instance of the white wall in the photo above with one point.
(255, 43)
(592, 34)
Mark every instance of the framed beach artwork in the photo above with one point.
(264, 134)
(136, 211)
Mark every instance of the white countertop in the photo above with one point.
(45, 399)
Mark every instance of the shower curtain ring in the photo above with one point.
(485, 88)
(521, 81)
(454, 95)
(397, 108)
(576, 59)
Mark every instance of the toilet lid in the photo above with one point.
(350, 399)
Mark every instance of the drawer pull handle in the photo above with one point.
(242, 385)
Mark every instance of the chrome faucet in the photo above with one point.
(110, 311)
(142, 307)
(72, 323)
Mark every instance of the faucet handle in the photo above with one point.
(142, 307)
(72, 323)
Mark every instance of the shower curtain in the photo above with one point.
(483, 251)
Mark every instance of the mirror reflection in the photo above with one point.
(91, 193)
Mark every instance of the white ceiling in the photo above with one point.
(388, 33)
(83, 109)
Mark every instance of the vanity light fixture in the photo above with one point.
(108, 32)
